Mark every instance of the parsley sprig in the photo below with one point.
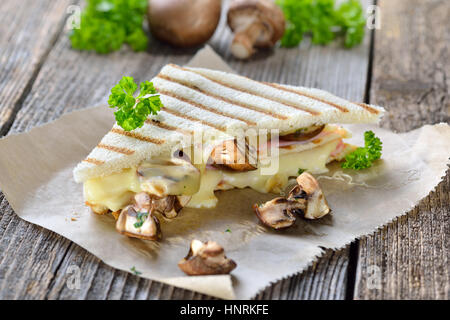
(363, 157)
(323, 20)
(107, 24)
(133, 111)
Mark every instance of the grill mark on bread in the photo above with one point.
(308, 95)
(201, 106)
(160, 124)
(295, 91)
(137, 136)
(125, 151)
(94, 161)
(185, 116)
(304, 109)
(368, 108)
(212, 95)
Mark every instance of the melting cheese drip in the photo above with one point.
(115, 191)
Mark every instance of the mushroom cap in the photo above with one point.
(304, 134)
(232, 156)
(184, 23)
(170, 206)
(308, 189)
(206, 259)
(149, 228)
(278, 213)
(266, 11)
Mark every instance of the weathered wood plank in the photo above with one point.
(28, 31)
(29, 256)
(410, 257)
(70, 80)
(325, 279)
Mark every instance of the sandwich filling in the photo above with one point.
(307, 149)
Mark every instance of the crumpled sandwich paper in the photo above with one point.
(36, 177)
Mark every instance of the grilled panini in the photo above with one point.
(213, 108)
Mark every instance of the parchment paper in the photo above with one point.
(36, 177)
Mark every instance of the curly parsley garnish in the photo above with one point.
(107, 24)
(363, 157)
(323, 21)
(132, 112)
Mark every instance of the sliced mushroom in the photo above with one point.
(228, 155)
(143, 202)
(303, 134)
(206, 259)
(170, 206)
(256, 23)
(279, 213)
(308, 191)
(136, 224)
(173, 176)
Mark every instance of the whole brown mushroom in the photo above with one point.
(183, 23)
(255, 23)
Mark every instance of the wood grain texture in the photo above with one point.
(411, 78)
(70, 80)
(29, 29)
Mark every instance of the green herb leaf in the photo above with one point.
(228, 230)
(363, 157)
(133, 269)
(350, 17)
(323, 21)
(107, 24)
(132, 112)
(300, 171)
(141, 216)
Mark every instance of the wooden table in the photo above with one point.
(403, 66)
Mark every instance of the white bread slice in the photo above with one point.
(218, 105)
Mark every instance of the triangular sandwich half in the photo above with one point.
(213, 108)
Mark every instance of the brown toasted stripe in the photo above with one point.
(116, 149)
(163, 125)
(137, 136)
(185, 116)
(94, 161)
(300, 93)
(201, 106)
(368, 108)
(243, 105)
(313, 112)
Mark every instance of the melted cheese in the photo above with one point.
(116, 191)
(313, 160)
(205, 197)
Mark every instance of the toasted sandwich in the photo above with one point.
(209, 111)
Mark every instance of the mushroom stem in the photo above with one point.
(244, 40)
(256, 24)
